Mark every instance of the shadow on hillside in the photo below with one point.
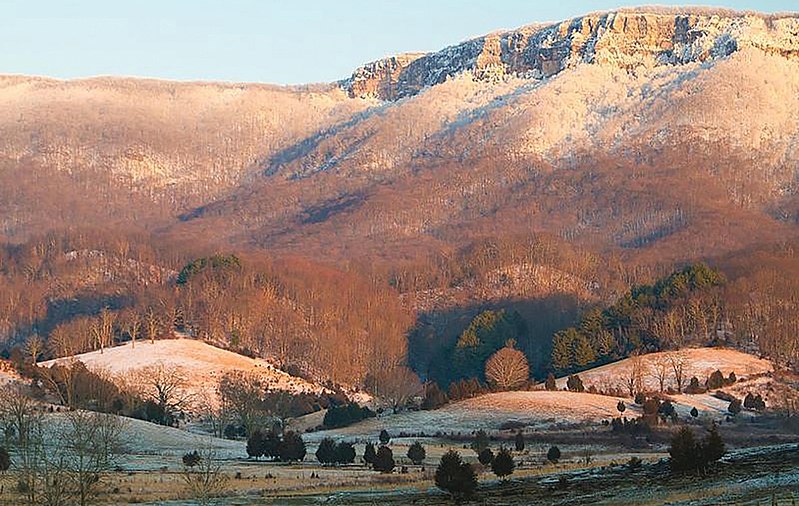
(436, 332)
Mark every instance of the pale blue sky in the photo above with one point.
(277, 41)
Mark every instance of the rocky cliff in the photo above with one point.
(626, 39)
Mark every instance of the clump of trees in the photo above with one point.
(648, 317)
(687, 454)
(455, 476)
(330, 452)
(289, 447)
(348, 414)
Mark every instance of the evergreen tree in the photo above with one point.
(519, 441)
(326, 452)
(553, 455)
(384, 437)
(621, 407)
(255, 444)
(291, 448)
(562, 346)
(5, 460)
(480, 442)
(455, 476)
(344, 453)
(583, 353)
(270, 445)
(550, 383)
(713, 447)
(684, 451)
(735, 406)
(694, 412)
(384, 460)
(416, 453)
(369, 454)
(486, 456)
(503, 464)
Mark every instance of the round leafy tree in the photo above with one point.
(292, 448)
(553, 455)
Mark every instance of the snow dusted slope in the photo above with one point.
(699, 362)
(201, 364)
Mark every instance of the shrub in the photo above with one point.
(694, 387)
(634, 463)
(417, 453)
(434, 397)
(480, 442)
(550, 382)
(503, 464)
(5, 460)
(715, 380)
(486, 456)
(384, 460)
(518, 441)
(190, 459)
(575, 384)
(455, 476)
(754, 402)
(553, 455)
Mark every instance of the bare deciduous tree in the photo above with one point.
(167, 387)
(634, 375)
(678, 361)
(659, 369)
(205, 480)
(507, 368)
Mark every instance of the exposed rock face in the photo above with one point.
(626, 39)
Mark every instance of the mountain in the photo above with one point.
(545, 168)
(655, 134)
